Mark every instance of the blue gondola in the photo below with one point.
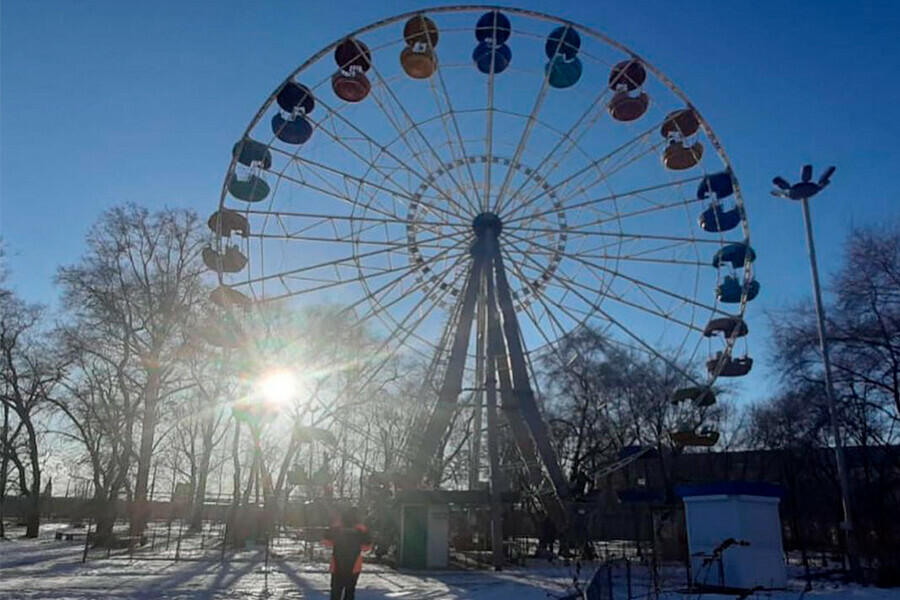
(735, 254)
(294, 96)
(252, 189)
(720, 184)
(493, 27)
(249, 152)
(562, 73)
(716, 218)
(485, 53)
(730, 290)
(563, 41)
(292, 131)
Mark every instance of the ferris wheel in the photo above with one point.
(474, 184)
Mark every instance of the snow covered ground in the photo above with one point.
(51, 569)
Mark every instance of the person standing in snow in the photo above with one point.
(348, 538)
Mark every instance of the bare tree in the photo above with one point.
(29, 373)
(863, 325)
(102, 411)
(864, 336)
(603, 397)
(206, 413)
(132, 297)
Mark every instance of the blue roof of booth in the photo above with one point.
(731, 488)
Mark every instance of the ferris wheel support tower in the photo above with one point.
(487, 302)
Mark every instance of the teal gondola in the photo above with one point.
(563, 41)
(251, 189)
(250, 152)
(563, 73)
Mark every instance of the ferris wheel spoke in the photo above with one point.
(550, 307)
(608, 198)
(573, 284)
(629, 153)
(386, 151)
(397, 244)
(589, 253)
(617, 273)
(651, 349)
(388, 245)
(455, 121)
(604, 176)
(350, 259)
(298, 160)
(568, 136)
(554, 321)
(329, 284)
(489, 125)
(567, 284)
(395, 161)
(585, 227)
(672, 246)
(419, 285)
(614, 234)
(539, 269)
(350, 218)
(371, 196)
(590, 166)
(412, 123)
(407, 331)
(329, 224)
(526, 134)
(416, 154)
(340, 196)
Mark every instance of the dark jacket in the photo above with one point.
(348, 544)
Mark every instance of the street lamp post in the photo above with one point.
(803, 191)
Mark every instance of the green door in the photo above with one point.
(415, 537)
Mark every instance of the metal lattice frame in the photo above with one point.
(376, 211)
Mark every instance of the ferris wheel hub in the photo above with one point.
(485, 222)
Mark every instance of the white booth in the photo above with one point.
(424, 530)
(734, 534)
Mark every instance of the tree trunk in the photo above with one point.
(236, 463)
(140, 507)
(4, 466)
(33, 515)
(105, 503)
(202, 478)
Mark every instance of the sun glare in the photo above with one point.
(278, 386)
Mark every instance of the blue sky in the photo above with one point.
(107, 102)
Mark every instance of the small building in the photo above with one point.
(424, 529)
(734, 534)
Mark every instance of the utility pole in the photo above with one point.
(803, 191)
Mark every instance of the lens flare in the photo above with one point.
(278, 386)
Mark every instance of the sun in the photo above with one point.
(278, 386)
